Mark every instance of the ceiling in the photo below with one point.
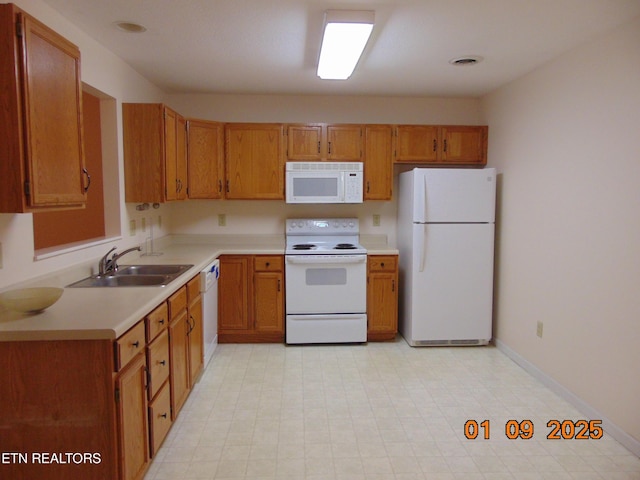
(272, 46)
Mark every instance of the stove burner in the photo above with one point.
(304, 246)
(345, 246)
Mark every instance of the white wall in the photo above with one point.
(269, 216)
(565, 139)
(109, 75)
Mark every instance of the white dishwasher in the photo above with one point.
(209, 292)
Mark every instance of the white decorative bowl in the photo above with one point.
(30, 300)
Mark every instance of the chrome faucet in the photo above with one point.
(109, 265)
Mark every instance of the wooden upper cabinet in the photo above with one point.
(205, 158)
(464, 145)
(155, 153)
(441, 145)
(304, 142)
(416, 143)
(254, 155)
(378, 162)
(321, 141)
(41, 145)
(344, 143)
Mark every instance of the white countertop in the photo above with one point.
(107, 313)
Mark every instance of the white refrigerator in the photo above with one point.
(446, 240)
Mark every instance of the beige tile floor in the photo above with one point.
(382, 411)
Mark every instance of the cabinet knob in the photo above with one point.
(164, 415)
(163, 362)
(382, 264)
(161, 322)
(268, 264)
(136, 344)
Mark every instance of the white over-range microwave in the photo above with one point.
(324, 182)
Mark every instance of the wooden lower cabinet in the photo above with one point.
(133, 429)
(109, 400)
(251, 299)
(382, 297)
(178, 349)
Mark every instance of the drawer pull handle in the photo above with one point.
(164, 415)
(162, 362)
(161, 322)
(136, 344)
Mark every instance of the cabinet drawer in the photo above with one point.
(160, 418)
(158, 362)
(177, 302)
(129, 345)
(157, 321)
(383, 263)
(267, 263)
(193, 288)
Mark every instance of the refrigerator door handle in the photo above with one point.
(424, 198)
(423, 246)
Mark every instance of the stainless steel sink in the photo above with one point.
(138, 270)
(135, 276)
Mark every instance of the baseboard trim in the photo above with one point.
(609, 427)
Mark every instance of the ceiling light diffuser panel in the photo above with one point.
(346, 33)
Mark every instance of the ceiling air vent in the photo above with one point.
(465, 61)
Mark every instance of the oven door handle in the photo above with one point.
(325, 259)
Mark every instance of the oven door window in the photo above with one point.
(326, 276)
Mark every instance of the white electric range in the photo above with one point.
(326, 279)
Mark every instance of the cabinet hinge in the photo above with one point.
(27, 188)
(19, 29)
(117, 395)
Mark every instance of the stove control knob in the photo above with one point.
(344, 224)
(351, 224)
(300, 224)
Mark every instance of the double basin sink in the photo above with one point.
(135, 276)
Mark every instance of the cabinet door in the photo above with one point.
(382, 297)
(464, 145)
(254, 157)
(181, 158)
(304, 141)
(416, 143)
(196, 340)
(268, 302)
(170, 154)
(133, 429)
(382, 303)
(53, 117)
(205, 154)
(378, 162)
(344, 143)
(233, 294)
(179, 357)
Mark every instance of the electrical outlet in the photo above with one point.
(132, 227)
(143, 224)
(376, 220)
(222, 220)
(539, 329)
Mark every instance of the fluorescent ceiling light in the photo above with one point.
(345, 35)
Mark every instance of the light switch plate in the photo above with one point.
(222, 220)
(376, 219)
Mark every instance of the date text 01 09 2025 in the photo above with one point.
(560, 429)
